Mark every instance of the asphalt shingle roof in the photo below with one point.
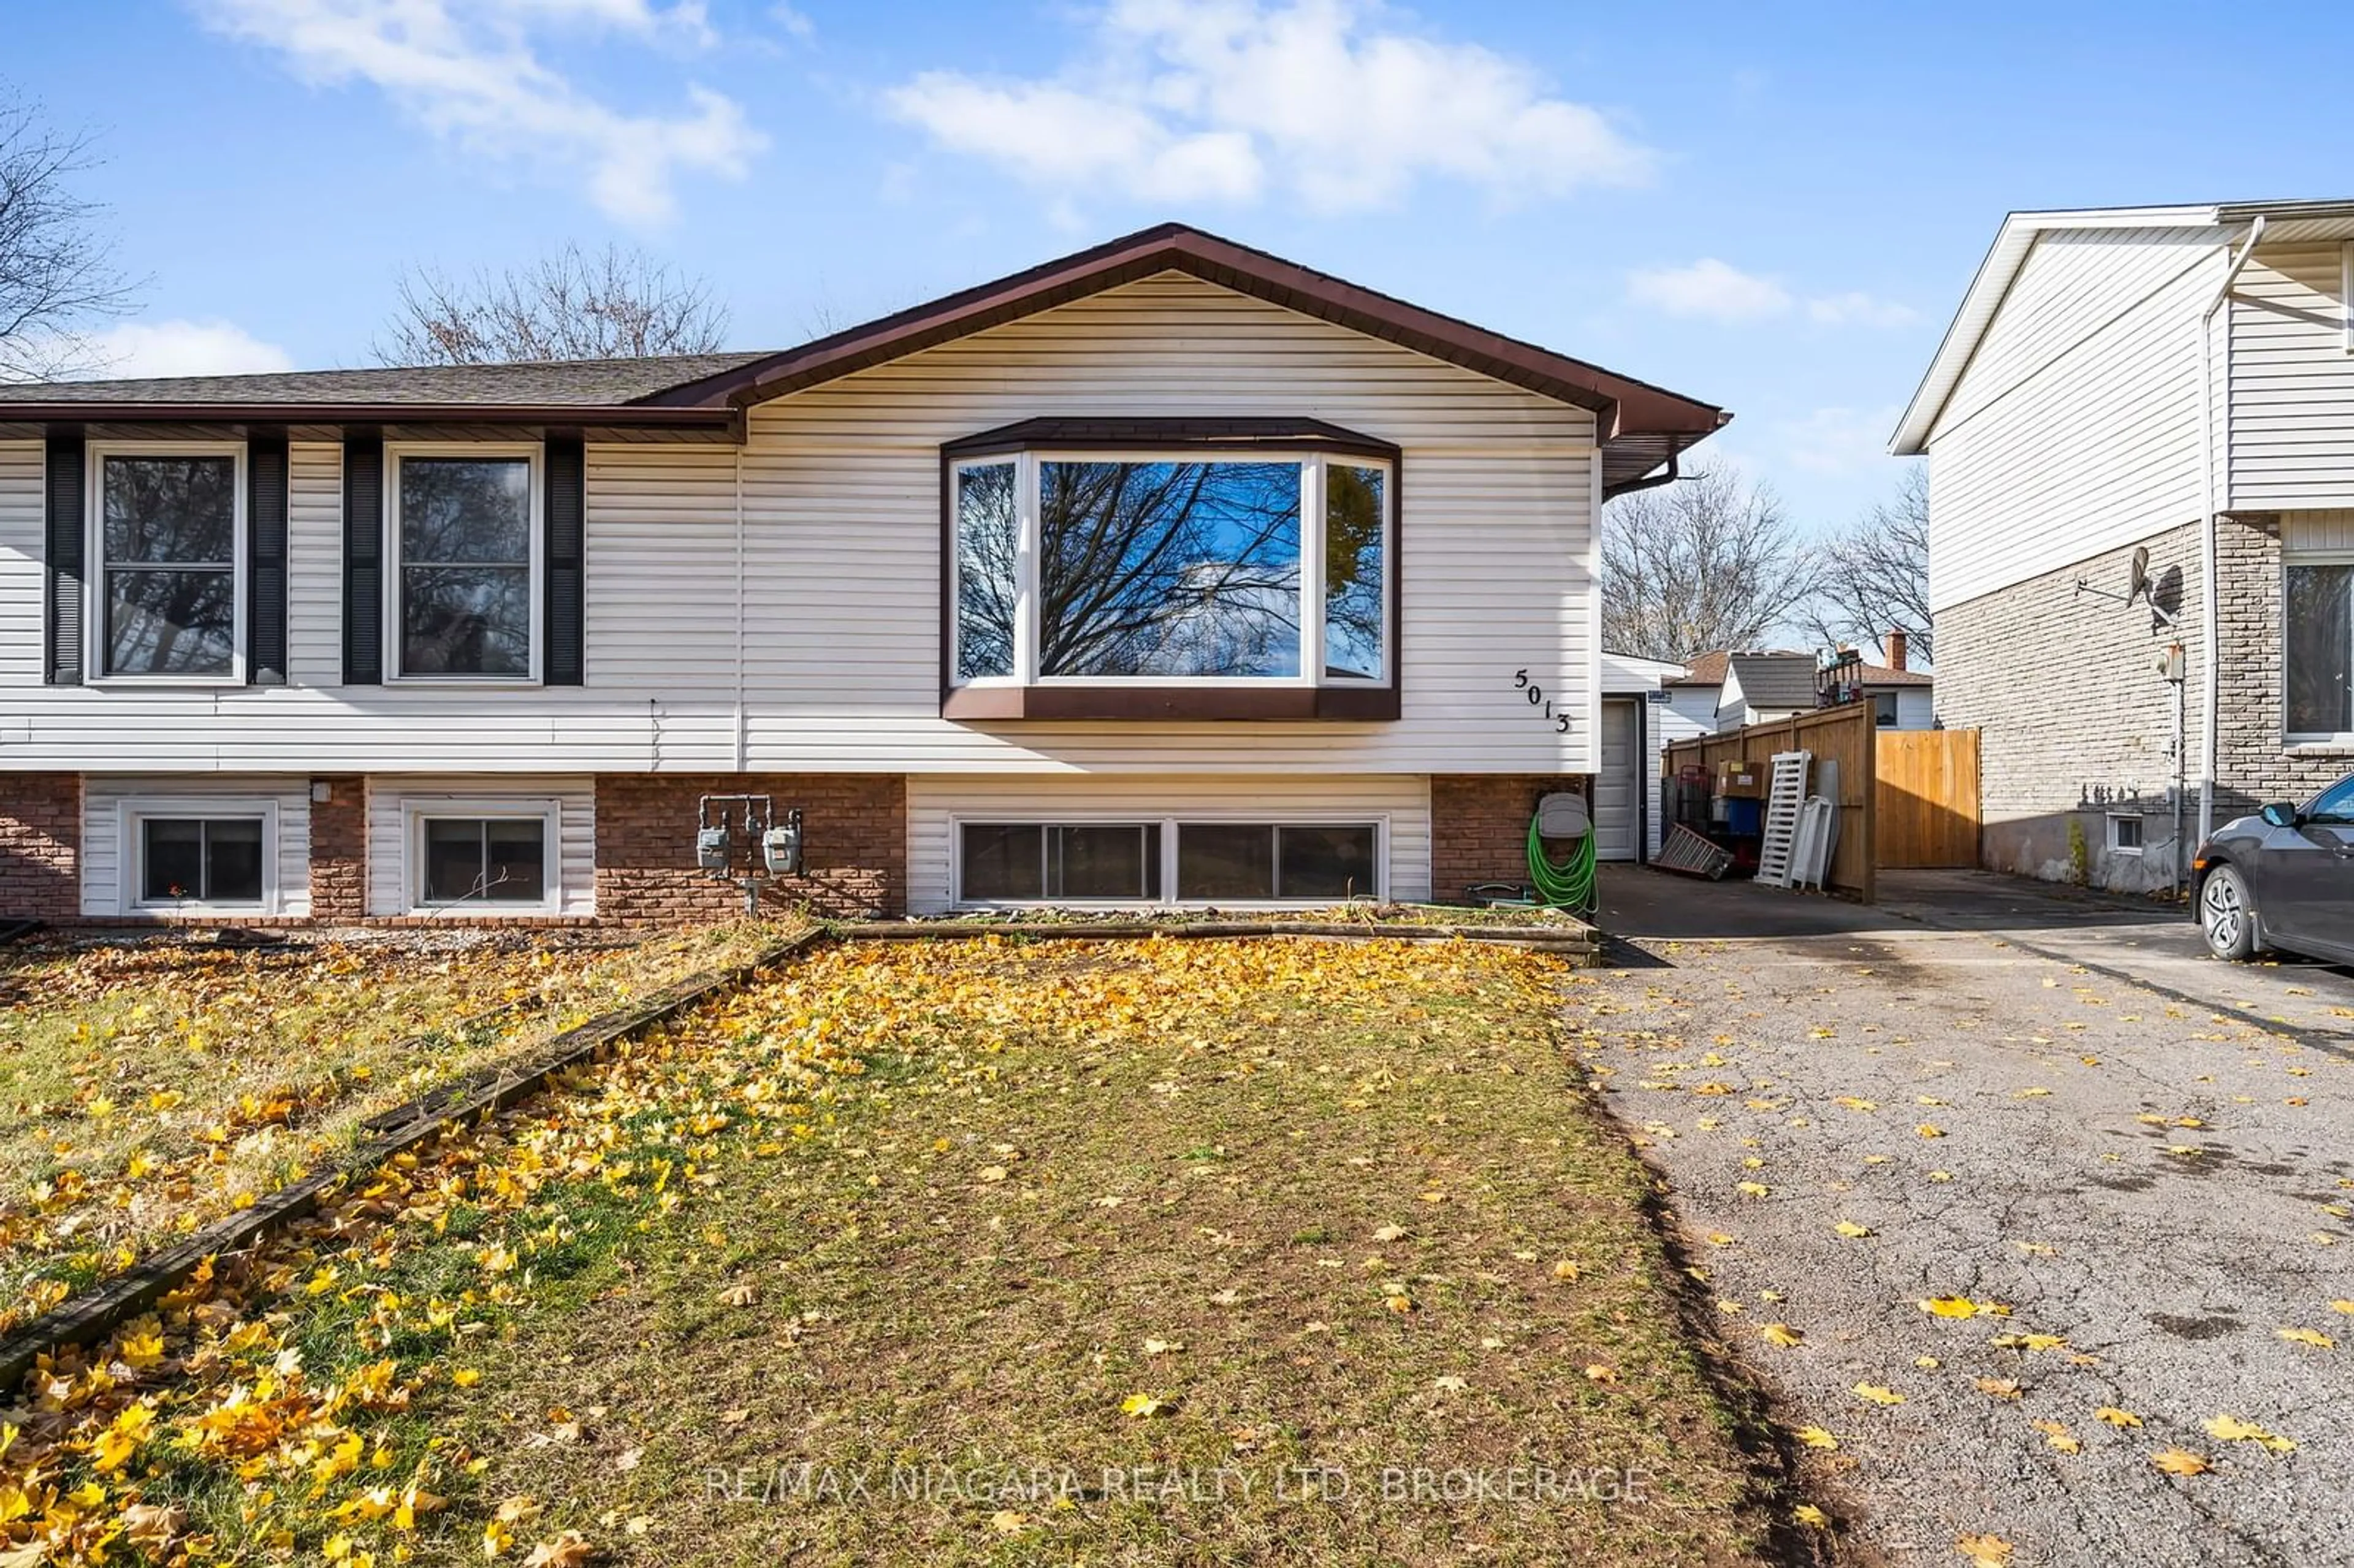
(588, 383)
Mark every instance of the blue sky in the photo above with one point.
(1774, 207)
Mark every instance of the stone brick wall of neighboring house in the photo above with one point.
(1479, 826)
(2253, 762)
(2074, 718)
(855, 828)
(339, 851)
(41, 847)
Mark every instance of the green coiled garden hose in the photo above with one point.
(1569, 886)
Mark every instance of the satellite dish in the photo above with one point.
(2138, 576)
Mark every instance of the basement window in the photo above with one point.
(2125, 833)
(1214, 861)
(196, 858)
(488, 861)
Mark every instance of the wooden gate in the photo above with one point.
(1928, 805)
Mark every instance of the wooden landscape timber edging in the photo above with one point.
(1579, 938)
(89, 1316)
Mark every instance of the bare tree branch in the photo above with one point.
(1704, 564)
(55, 270)
(572, 304)
(1876, 574)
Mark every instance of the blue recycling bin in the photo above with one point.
(1745, 818)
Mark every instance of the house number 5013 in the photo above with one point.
(1536, 693)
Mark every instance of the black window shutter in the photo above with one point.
(364, 561)
(62, 559)
(565, 556)
(265, 559)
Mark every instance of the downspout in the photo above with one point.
(2210, 614)
(743, 736)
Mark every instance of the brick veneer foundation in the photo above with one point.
(1479, 826)
(339, 851)
(41, 847)
(855, 828)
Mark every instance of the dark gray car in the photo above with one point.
(2282, 878)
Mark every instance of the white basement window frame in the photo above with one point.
(395, 665)
(1166, 878)
(1311, 611)
(98, 655)
(135, 814)
(416, 816)
(2125, 834)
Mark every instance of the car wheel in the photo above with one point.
(2227, 916)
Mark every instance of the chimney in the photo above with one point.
(1895, 644)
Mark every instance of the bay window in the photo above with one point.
(465, 527)
(1187, 568)
(169, 554)
(2318, 652)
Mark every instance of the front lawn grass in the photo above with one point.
(150, 1084)
(979, 1251)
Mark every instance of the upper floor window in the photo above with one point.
(2318, 649)
(1170, 569)
(169, 549)
(466, 541)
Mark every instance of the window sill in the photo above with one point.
(167, 682)
(2331, 746)
(1171, 704)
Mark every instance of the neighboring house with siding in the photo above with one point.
(1725, 691)
(2174, 380)
(1166, 572)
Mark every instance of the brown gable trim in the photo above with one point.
(1629, 407)
(1114, 434)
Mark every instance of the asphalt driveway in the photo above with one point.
(2156, 1179)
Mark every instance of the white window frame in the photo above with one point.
(415, 813)
(132, 812)
(395, 671)
(94, 603)
(1029, 545)
(2289, 559)
(2141, 825)
(1167, 822)
(2345, 293)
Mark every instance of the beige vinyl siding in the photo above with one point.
(108, 863)
(2331, 530)
(841, 523)
(2292, 381)
(314, 564)
(936, 803)
(2076, 426)
(23, 543)
(842, 503)
(389, 796)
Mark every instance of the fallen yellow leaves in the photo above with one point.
(1781, 1334)
(2307, 1337)
(2114, 1416)
(1852, 1230)
(2232, 1429)
(2180, 1462)
(1142, 1405)
(1962, 1306)
(1816, 1437)
(1985, 1551)
(1874, 1394)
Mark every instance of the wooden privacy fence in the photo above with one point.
(1928, 806)
(1906, 798)
(1843, 736)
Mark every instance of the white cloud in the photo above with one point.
(466, 70)
(1837, 441)
(1709, 289)
(1232, 100)
(1712, 290)
(179, 349)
